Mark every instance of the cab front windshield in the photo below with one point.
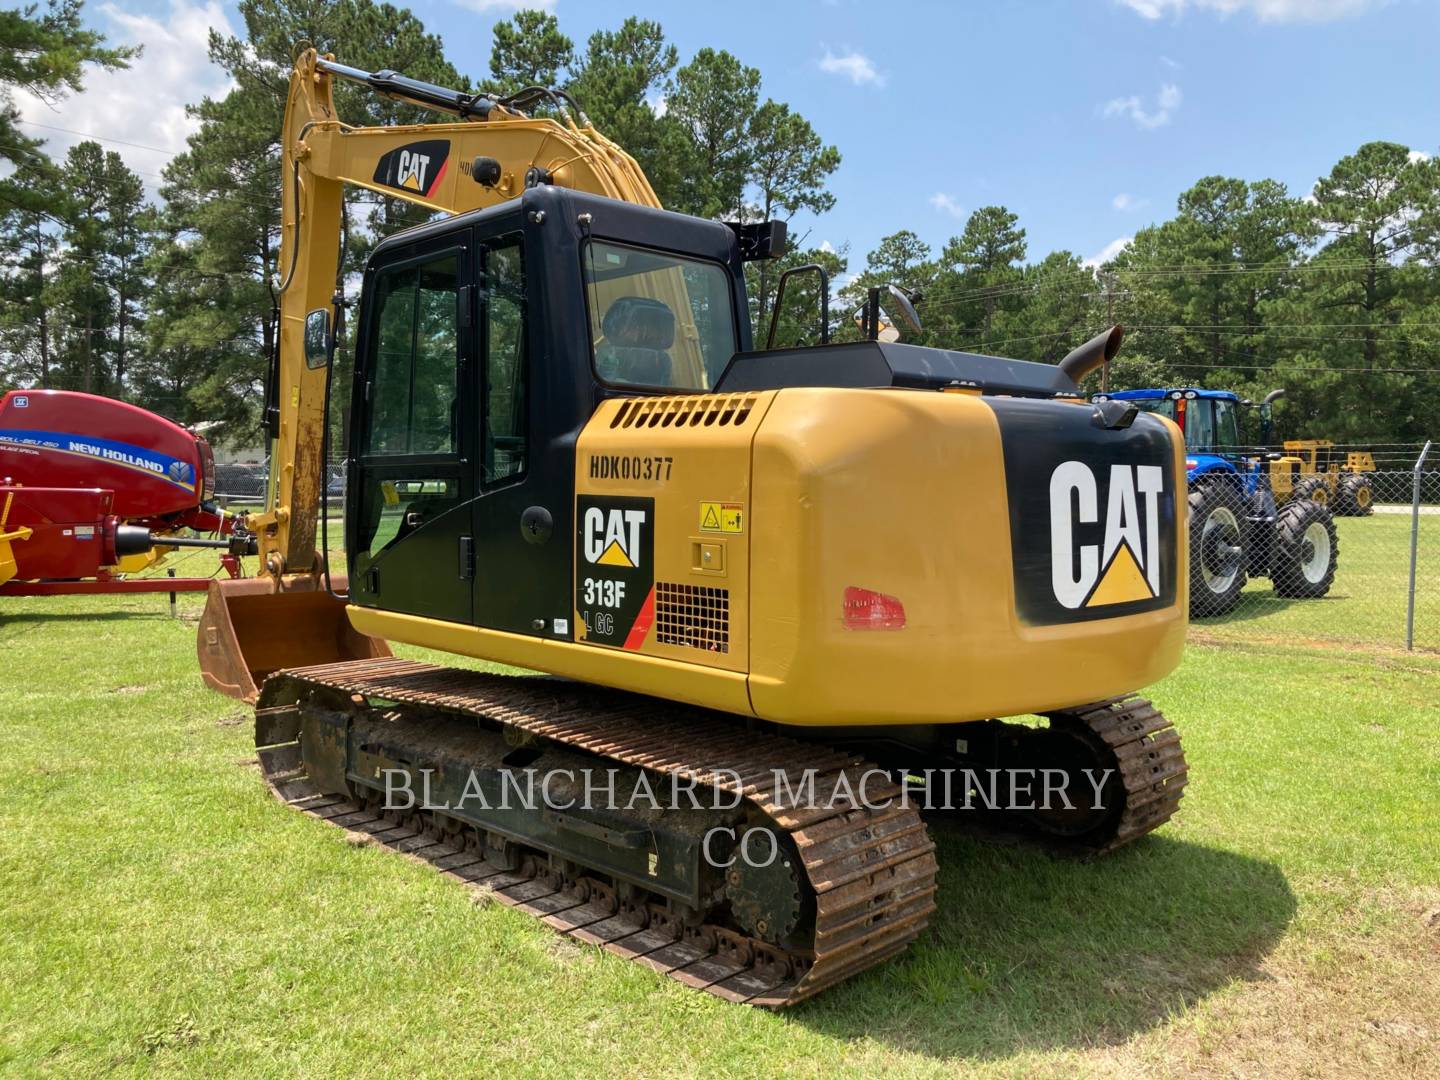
(656, 319)
(1209, 423)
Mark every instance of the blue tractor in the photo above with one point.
(1236, 528)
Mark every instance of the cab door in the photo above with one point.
(525, 463)
(413, 445)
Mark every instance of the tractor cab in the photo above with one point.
(1210, 420)
(1253, 512)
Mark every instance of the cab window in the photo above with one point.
(505, 435)
(417, 343)
(1199, 424)
(657, 320)
(1227, 426)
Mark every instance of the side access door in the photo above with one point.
(413, 444)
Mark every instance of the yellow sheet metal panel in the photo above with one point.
(882, 587)
(679, 469)
(9, 565)
(863, 543)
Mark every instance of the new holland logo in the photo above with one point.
(417, 167)
(1121, 564)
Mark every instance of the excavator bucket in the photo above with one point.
(251, 628)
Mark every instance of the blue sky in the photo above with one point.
(1085, 117)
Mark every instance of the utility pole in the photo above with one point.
(1108, 280)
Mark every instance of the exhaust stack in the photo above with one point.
(1100, 349)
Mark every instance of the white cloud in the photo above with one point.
(1166, 102)
(1108, 252)
(1277, 11)
(1417, 156)
(1173, 65)
(143, 106)
(855, 66)
(657, 103)
(944, 203)
(1122, 201)
(827, 247)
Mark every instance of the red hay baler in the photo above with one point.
(93, 491)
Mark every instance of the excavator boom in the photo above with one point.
(489, 154)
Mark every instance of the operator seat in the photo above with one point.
(638, 331)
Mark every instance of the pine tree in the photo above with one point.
(980, 269)
(619, 82)
(45, 53)
(714, 99)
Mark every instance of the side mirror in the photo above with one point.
(874, 321)
(317, 339)
(904, 301)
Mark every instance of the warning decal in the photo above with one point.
(615, 569)
(722, 517)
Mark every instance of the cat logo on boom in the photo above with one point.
(1122, 565)
(416, 167)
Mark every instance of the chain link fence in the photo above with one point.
(1363, 572)
(244, 485)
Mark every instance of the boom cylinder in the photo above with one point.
(400, 87)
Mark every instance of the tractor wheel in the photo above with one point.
(1310, 489)
(1356, 496)
(1305, 551)
(1217, 555)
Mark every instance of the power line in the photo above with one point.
(1079, 275)
(102, 138)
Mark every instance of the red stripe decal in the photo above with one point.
(438, 177)
(641, 627)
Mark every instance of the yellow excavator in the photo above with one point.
(788, 595)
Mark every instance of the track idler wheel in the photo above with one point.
(763, 884)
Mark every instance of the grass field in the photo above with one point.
(159, 911)
(1366, 602)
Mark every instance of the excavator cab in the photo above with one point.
(484, 343)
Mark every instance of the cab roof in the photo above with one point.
(1151, 395)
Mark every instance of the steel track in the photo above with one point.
(872, 871)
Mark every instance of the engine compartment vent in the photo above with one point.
(692, 616)
(692, 410)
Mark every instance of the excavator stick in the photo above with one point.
(251, 628)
